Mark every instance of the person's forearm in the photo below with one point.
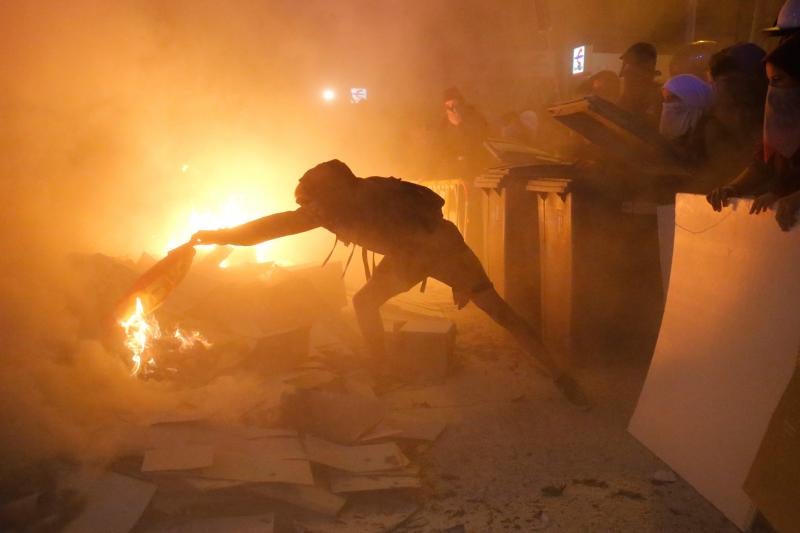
(269, 227)
(750, 181)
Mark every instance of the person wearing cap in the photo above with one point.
(640, 93)
(462, 132)
(788, 21)
(774, 175)
(687, 101)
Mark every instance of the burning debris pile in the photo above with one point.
(275, 423)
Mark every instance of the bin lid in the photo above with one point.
(540, 178)
(619, 133)
(510, 153)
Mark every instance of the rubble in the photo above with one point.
(318, 437)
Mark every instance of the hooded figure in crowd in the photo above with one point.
(403, 222)
(686, 102)
(735, 126)
(774, 175)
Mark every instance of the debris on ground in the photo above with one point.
(553, 491)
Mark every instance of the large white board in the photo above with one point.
(727, 347)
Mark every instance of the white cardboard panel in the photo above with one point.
(726, 350)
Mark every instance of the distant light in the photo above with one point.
(329, 95)
(358, 94)
(185, 168)
(579, 60)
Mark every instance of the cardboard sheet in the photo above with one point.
(253, 467)
(366, 458)
(178, 458)
(347, 483)
(726, 349)
(114, 503)
(308, 497)
(224, 524)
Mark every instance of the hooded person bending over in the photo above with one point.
(403, 222)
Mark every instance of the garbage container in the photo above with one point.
(571, 261)
(528, 252)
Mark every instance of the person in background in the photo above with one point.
(462, 132)
(687, 101)
(788, 21)
(604, 84)
(774, 175)
(519, 126)
(640, 93)
(693, 58)
(737, 119)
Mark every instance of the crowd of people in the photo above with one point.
(721, 110)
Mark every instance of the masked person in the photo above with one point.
(774, 175)
(462, 132)
(403, 222)
(640, 92)
(686, 102)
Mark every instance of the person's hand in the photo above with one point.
(763, 202)
(209, 237)
(786, 211)
(718, 198)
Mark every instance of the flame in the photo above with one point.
(140, 331)
(190, 338)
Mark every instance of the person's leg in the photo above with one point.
(462, 270)
(498, 310)
(384, 284)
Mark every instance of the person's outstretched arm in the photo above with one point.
(260, 230)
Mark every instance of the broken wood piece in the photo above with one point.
(364, 458)
(178, 458)
(254, 467)
(308, 497)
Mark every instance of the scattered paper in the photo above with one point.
(346, 483)
(178, 458)
(365, 458)
(309, 497)
(226, 524)
(114, 503)
(258, 468)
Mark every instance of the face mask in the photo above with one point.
(782, 120)
(677, 119)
